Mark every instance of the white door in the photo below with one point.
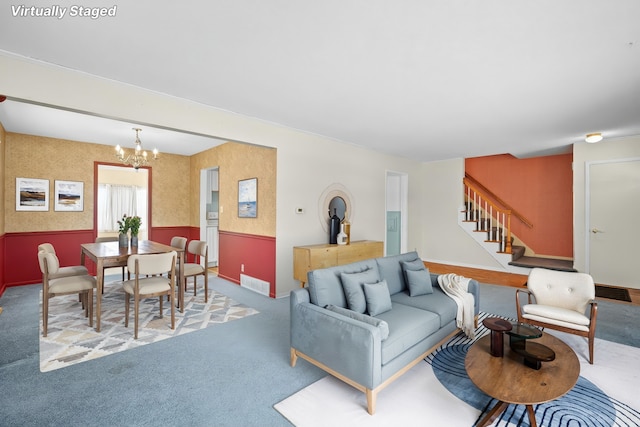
(614, 222)
(396, 213)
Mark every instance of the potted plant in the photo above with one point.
(123, 228)
(134, 226)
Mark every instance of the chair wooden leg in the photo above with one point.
(90, 298)
(195, 280)
(45, 314)
(206, 286)
(136, 308)
(161, 312)
(173, 313)
(126, 310)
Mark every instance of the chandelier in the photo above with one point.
(139, 157)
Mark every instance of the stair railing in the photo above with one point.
(487, 215)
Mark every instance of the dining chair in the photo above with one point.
(154, 284)
(198, 267)
(111, 239)
(559, 300)
(53, 285)
(179, 242)
(72, 270)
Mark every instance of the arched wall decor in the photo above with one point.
(334, 190)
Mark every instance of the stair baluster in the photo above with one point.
(480, 209)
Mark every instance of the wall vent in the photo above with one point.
(257, 285)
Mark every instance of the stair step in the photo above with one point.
(549, 263)
(517, 252)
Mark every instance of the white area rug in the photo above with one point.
(71, 340)
(418, 398)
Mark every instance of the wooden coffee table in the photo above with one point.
(510, 381)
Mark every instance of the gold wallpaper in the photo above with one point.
(237, 161)
(31, 156)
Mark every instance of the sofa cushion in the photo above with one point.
(418, 282)
(380, 324)
(352, 286)
(437, 302)
(407, 327)
(325, 286)
(377, 297)
(391, 270)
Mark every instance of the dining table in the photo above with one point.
(111, 254)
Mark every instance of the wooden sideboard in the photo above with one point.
(313, 257)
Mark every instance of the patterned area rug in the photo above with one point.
(584, 405)
(70, 340)
(439, 393)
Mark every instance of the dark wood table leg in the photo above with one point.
(498, 409)
(532, 416)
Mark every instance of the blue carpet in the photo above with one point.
(584, 405)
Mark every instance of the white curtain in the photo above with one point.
(116, 200)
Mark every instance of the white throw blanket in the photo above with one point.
(456, 287)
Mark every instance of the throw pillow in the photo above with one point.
(377, 297)
(419, 282)
(352, 286)
(380, 324)
(416, 264)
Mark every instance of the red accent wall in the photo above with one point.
(2, 257)
(19, 251)
(541, 189)
(20, 261)
(257, 253)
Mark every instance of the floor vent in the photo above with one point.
(257, 285)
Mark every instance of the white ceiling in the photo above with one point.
(423, 79)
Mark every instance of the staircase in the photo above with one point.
(487, 219)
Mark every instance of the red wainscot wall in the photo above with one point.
(19, 251)
(20, 260)
(2, 257)
(255, 254)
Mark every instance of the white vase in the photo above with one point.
(342, 236)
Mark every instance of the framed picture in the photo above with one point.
(69, 196)
(32, 194)
(248, 198)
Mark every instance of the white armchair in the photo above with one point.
(559, 300)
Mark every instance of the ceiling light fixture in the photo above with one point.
(139, 156)
(593, 137)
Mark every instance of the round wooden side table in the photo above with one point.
(509, 380)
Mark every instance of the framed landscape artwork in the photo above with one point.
(32, 194)
(248, 198)
(69, 196)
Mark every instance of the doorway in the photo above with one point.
(209, 212)
(612, 235)
(121, 190)
(396, 213)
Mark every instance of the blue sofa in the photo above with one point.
(370, 347)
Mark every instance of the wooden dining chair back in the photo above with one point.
(148, 282)
(179, 242)
(200, 252)
(54, 285)
(71, 270)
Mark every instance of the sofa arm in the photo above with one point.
(346, 346)
(472, 288)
